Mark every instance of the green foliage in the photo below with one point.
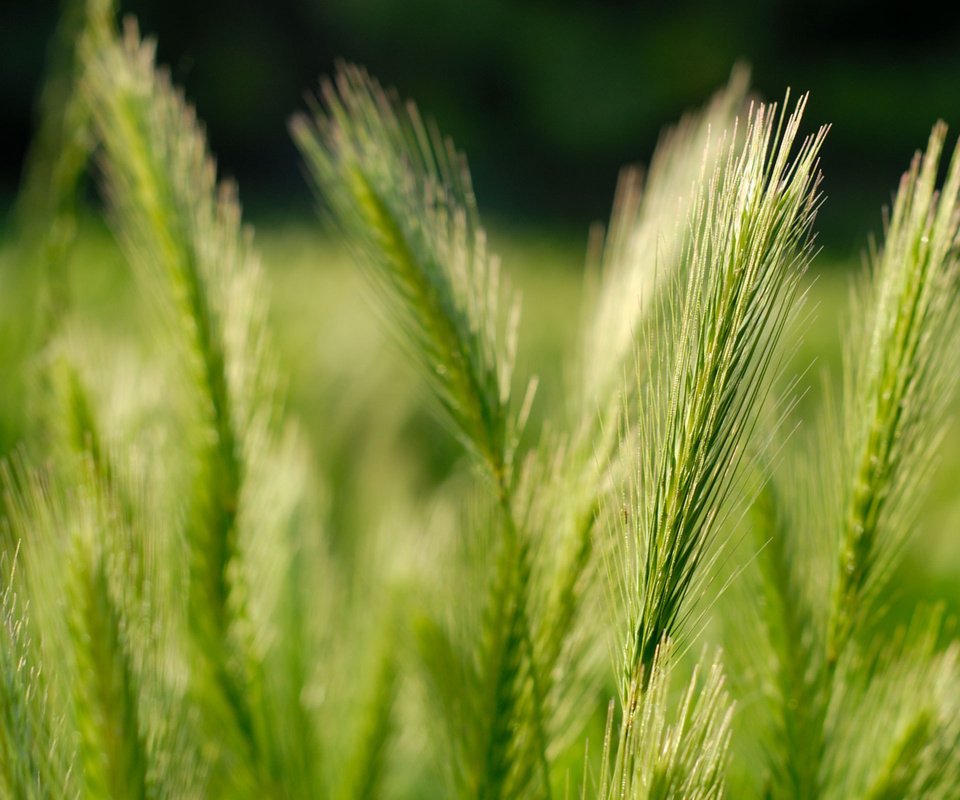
(192, 607)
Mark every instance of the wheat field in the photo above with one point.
(384, 505)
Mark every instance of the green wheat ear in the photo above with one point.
(404, 197)
(162, 189)
(899, 381)
(748, 245)
(182, 231)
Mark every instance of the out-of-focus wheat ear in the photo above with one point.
(899, 381)
(666, 749)
(363, 775)
(90, 653)
(37, 756)
(570, 657)
(290, 587)
(160, 183)
(114, 752)
(642, 248)
(893, 726)
(748, 245)
(793, 631)
(183, 232)
(511, 754)
(403, 196)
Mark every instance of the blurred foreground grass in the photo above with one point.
(377, 447)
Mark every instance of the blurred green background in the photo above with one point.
(549, 100)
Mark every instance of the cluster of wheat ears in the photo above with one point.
(175, 623)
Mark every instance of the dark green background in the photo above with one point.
(548, 99)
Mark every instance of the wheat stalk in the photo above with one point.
(748, 246)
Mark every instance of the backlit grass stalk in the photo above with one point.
(636, 260)
(900, 379)
(403, 196)
(748, 245)
(184, 233)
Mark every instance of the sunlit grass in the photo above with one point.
(257, 541)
